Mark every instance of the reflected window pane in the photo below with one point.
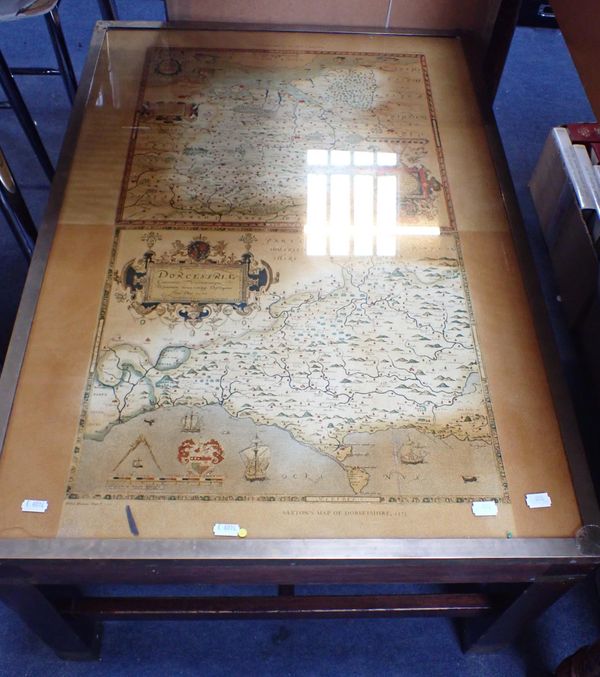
(317, 157)
(363, 244)
(386, 215)
(364, 189)
(316, 200)
(340, 158)
(363, 158)
(316, 243)
(352, 204)
(387, 159)
(386, 244)
(386, 201)
(339, 215)
(418, 230)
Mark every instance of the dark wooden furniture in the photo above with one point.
(507, 587)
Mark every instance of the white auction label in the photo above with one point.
(226, 530)
(541, 500)
(32, 505)
(484, 508)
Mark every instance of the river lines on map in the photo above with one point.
(231, 366)
(222, 136)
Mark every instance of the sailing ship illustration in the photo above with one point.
(256, 458)
(413, 452)
(191, 423)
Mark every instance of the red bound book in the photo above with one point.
(584, 132)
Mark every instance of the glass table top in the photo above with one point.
(282, 294)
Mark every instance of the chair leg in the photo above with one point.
(27, 123)
(15, 210)
(108, 10)
(62, 53)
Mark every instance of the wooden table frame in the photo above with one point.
(509, 580)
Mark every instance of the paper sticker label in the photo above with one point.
(226, 529)
(31, 505)
(484, 508)
(541, 500)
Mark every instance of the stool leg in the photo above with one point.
(27, 123)
(15, 210)
(108, 10)
(62, 53)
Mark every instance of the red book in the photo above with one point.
(584, 132)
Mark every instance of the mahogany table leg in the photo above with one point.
(481, 635)
(70, 639)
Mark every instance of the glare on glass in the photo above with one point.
(317, 157)
(316, 214)
(363, 158)
(387, 159)
(364, 190)
(387, 190)
(339, 215)
(340, 158)
(352, 204)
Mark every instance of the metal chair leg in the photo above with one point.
(15, 210)
(62, 54)
(108, 10)
(27, 123)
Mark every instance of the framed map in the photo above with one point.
(283, 293)
(297, 324)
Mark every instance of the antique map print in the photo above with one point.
(229, 365)
(286, 315)
(222, 136)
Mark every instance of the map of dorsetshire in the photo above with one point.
(229, 365)
(222, 136)
(230, 361)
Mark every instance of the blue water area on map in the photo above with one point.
(172, 357)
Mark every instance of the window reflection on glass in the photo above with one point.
(339, 214)
(352, 204)
(340, 158)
